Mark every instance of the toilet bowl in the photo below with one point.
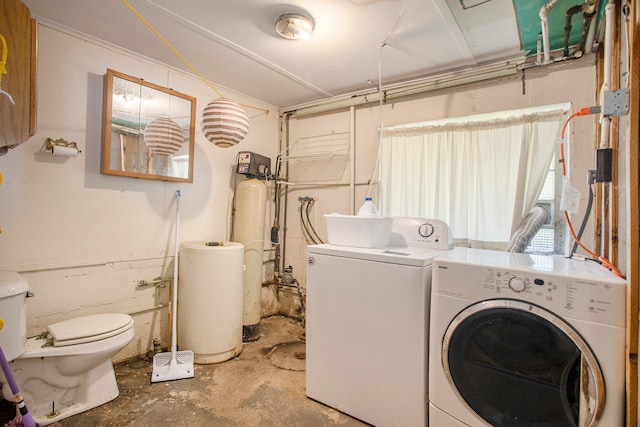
(69, 370)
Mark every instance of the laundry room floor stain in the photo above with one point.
(263, 386)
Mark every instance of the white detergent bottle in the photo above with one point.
(368, 208)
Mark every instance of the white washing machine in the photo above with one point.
(519, 340)
(367, 324)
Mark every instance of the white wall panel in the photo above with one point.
(84, 239)
(572, 81)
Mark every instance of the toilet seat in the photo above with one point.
(88, 328)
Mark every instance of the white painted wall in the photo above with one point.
(572, 81)
(84, 240)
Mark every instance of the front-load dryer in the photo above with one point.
(525, 341)
(367, 324)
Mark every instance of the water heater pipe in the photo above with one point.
(453, 79)
(589, 11)
(605, 122)
(544, 24)
(352, 163)
(591, 35)
(567, 27)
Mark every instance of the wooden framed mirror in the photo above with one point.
(147, 130)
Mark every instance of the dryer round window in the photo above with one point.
(501, 355)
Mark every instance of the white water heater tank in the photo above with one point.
(249, 225)
(210, 300)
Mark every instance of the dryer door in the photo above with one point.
(516, 364)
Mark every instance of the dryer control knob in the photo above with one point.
(517, 284)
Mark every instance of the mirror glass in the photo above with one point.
(130, 146)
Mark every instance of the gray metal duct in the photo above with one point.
(527, 229)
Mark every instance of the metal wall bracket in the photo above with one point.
(615, 102)
(157, 282)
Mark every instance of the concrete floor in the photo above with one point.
(263, 386)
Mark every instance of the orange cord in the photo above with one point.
(605, 263)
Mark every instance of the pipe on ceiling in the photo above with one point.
(588, 9)
(427, 85)
(567, 27)
(544, 24)
(607, 69)
(591, 34)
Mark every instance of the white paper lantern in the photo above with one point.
(224, 123)
(163, 136)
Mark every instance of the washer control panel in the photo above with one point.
(578, 289)
(426, 230)
(420, 233)
(568, 295)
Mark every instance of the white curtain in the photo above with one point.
(481, 177)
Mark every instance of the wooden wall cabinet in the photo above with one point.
(20, 32)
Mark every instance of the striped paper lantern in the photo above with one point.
(163, 136)
(224, 123)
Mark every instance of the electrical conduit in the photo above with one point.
(605, 262)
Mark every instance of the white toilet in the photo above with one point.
(68, 372)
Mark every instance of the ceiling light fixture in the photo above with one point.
(294, 26)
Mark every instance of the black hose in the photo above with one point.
(308, 234)
(310, 223)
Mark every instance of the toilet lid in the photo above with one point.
(89, 328)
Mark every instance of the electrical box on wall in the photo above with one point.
(604, 164)
(253, 165)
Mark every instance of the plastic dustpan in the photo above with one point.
(172, 366)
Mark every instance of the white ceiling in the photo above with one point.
(233, 42)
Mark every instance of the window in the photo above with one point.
(480, 174)
(544, 241)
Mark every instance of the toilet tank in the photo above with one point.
(13, 311)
